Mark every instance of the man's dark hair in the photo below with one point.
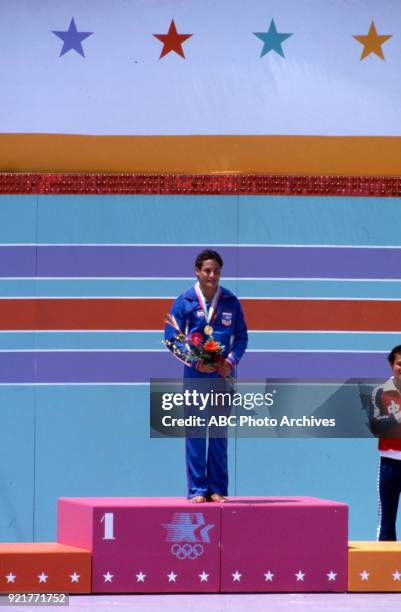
(393, 353)
(208, 254)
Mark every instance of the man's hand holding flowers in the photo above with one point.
(224, 368)
(208, 368)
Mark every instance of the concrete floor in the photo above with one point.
(239, 602)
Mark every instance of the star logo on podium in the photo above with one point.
(140, 577)
(396, 575)
(364, 575)
(300, 575)
(75, 577)
(183, 526)
(269, 576)
(331, 575)
(203, 576)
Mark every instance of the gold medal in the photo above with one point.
(208, 329)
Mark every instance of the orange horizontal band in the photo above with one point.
(92, 314)
(306, 155)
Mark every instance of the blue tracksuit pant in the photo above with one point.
(207, 471)
(389, 493)
(206, 449)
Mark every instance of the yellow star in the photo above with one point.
(372, 42)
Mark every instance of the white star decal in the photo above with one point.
(364, 575)
(269, 576)
(75, 577)
(42, 577)
(108, 577)
(331, 575)
(171, 577)
(140, 577)
(396, 575)
(236, 576)
(203, 576)
(11, 577)
(300, 575)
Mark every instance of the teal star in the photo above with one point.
(272, 40)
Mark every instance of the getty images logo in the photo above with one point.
(188, 527)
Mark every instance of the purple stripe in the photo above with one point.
(17, 367)
(124, 367)
(162, 261)
(18, 261)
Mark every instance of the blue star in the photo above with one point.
(272, 40)
(72, 39)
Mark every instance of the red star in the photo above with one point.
(172, 41)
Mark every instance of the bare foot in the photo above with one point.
(198, 499)
(216, 497)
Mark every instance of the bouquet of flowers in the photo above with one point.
(197, 348)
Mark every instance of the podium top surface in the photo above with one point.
(374, 546)
(30, 548)
(162, 502)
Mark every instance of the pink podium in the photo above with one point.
(278, 544)
(165, 545)
(145, 545)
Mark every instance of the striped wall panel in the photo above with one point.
(86, 281)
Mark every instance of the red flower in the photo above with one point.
(196, 339)
(211, 346)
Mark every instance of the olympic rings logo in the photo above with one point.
(187, 551)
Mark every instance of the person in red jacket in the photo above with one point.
(385, 422)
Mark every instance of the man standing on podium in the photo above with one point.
(208, 311)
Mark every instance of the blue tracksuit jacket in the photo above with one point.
(229, 327)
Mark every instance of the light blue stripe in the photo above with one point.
(166, 287)
(18, 215)
(299, 288)
(18, 288)
(143, 340)
(81, 340)
(19, 397)
(94, 287)
(219, 220)
(137, 219)
(196, 219)
(323, 341)
(319, 220)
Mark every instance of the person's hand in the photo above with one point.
(206, 367)
(225, 368)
